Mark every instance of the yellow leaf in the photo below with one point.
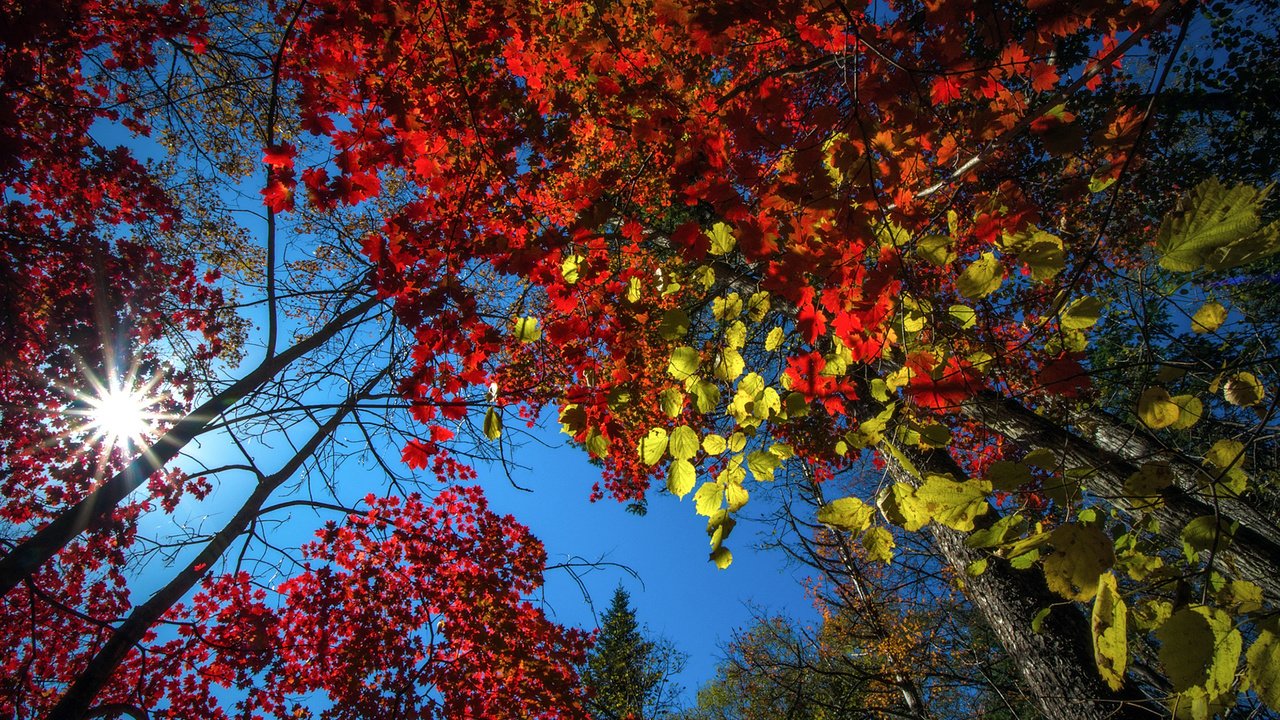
(1110, 641)
(681, 478)
(684, 362)
(1157, 410)
(981, 278)
(1080, 555)
(527, 329)
(653, 446)
(492, 424)
(1262, 666)
(878, 544)
(952, 503)
(713, 444)
(722, 557)
(683, 443)
(1208, 318)
(1081, 314)
(848, 513)
(722, 240)
(708, 498)
(1191, 409)
(569, 268)
(1243, 390)
(774, 339)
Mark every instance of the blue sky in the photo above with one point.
(679, 593)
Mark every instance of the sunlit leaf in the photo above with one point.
(1208, 318)
(1080, 555)
(983, 277)
(492, 424)
(683, 443)
(653, 446)
(681, 478)
(849, 513)
(1110, 627)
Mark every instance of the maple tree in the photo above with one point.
(725, 243)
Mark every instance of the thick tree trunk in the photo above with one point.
(35, 551)
(1254, 553)
(1056, 663)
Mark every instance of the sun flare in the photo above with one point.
(120, 416)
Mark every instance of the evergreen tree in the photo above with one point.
(628, 674)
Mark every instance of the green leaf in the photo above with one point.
(1080, 555)
(1262, 666)
(1008, 476)
(653, 446)
(674, 324)
(997, 532)
(981, 278)
(722, 240)
(684, 362)
(1208, 318)
(1110, 628)
(951, 503)
(1081, 314)
(1157, 410)
(681, 478)
(527, 329)
(672, 402)
(684, 443)
(848, 513)
(1204, 533)
(1217, 228)
(492, 424)
(708, 498)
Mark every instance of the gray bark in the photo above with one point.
(1056, 663)
(1115, 453)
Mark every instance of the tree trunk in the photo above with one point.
(1056, 663)
(1254, 553)
(35, 551)
(77, 701)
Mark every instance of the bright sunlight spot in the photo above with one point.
(120, 416)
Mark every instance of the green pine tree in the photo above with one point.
(629, 675)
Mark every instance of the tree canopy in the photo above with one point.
(927, 260)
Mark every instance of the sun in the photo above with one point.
(120, 416)
(121, 412)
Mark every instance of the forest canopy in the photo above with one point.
(981, 291)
